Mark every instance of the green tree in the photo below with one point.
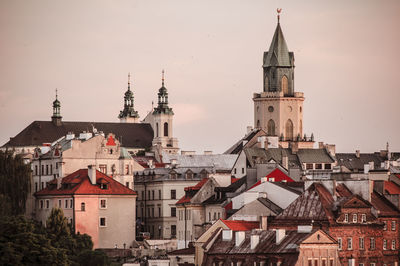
(93, 258)
(14, 183)
(23, 242)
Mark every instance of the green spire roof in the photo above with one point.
(278, 53)
(129, 110)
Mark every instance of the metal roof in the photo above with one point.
(217, 161)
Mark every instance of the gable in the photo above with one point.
(319, 237)
(356, 202)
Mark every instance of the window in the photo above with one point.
(59, 203)
(361, 242)
(83, 206)
(66, 204)
(323, 262)
(330, 260)
(271, 128)
(42, 185)
(47, 169)
(242, 170)
(173, 194)
(127, 169)
(310, 262)
(289, 130)
(393, 244)
(103, 204)
(372, 244)
(148, 195)
(71, 204)
(36, 186)
(209, 216)
(157, 129)
(384, 225)
(285, 87)
(127, 184)
(349, 243)
(42, 169)
(51, 169)
(346, 218)
(318, 166)
(159, 194)
(165, 129)
(328, 166)
(47, 204)
(152, 212)
(36, 170)
(309, 166)
(103, 168)
(143, 195)
(393, 225)
(384, 244)
(173, 231)
(159, 212)
(173, 212)
(41, 204)
(234, 171)
(152, 194)
(340, 243)
(103, 222)
(215, 216)
(363, 218)
(315, 262)
(354, 218)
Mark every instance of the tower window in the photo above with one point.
(258, 123)
(285, 86)
(157, 129)
(271, 128)
(266, 84)
(165, 129)
(289, 130)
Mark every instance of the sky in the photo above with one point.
(346, 55)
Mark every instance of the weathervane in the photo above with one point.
(279, 10)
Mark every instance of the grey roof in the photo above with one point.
(219, 161)
(278, 53)
(238, 146)
(131, 135)
(270, 205)
(314, 156)
(352, 162)
(160, 174)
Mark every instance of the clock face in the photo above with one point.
(270, 109)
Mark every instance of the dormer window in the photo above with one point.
(346, 218)
(363, 218)
(354, 218)
(172, 175)
(103, 186)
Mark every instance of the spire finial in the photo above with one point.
(56, 93)
(279, 10)
(163, 77)
(129, 80)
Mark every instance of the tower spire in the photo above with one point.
(56, 118)
(162, 79)
(129, 81)
(128, 114)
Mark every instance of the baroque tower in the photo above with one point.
(278, 110)
(56, 118)
(128, 114)
(161, 119)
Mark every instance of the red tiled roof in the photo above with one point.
(187, 197)
(78, 183)
(278, 175)
(144, 160)
(234, 179)
(235, 225)
(391, 188)
(383, 205)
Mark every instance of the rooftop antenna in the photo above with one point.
(279, 10)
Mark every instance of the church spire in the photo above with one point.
(163, 99)
(56, 118)
(128, 114)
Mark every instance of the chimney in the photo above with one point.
(263, 222)
(371, 165)
(320, 145)
(285, 162)
(58, 182)
(280, 234)
(239, 237)
(150, 164)
(249, 129)
(358, 153)
(261, 140)
(92, 174)
(226, 235)
(254, 240)
(295, 147)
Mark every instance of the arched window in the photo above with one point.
(157, 129)
(284, 85)
(271, 128)
(258, 123)
(289, 130)
(266, 83)
(83, 206)
(165, 129)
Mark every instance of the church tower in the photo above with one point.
(128, 115)
(56, 118)
(161, 119)
(278, 110)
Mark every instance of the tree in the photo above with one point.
(14, 183)
(23, 242)
(93, 258)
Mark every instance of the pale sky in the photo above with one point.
(347, 64)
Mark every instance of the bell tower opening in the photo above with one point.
(289, 130)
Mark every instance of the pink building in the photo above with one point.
(95, 204)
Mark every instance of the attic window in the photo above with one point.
(103, 186)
